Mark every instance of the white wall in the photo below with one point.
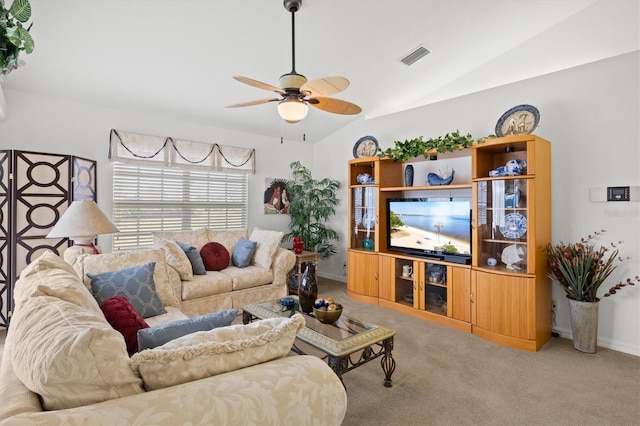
(46, 124)
(589, 113)
(591, 116)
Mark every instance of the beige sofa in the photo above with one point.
(264, 279)
(64, 364)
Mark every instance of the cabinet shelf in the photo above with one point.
(436, 284)
(504, 209)
(360, 185)
(505, 241)
(426, 187)
(364, 230)
(489, 179)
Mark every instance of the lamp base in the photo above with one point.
(71, 253)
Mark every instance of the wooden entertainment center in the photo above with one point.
(503, 295)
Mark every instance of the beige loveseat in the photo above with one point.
(64, 364)
(264, 279)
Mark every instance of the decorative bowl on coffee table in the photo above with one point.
(328, 317)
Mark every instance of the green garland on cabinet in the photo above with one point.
(411, 148)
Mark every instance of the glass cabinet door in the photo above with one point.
(364, 217)
(435, 282)
(501, 221)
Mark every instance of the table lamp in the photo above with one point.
(81, 223)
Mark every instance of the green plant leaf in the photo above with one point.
(21, 10)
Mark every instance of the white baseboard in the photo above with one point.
(605, 343)
(340, 278)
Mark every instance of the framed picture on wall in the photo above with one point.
(276, 196)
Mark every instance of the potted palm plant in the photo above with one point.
(313, 202)
(580, 268)
(14, 37)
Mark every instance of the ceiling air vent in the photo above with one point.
(418, 53)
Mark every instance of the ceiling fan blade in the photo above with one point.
(258, 84)
(251, 103)
(336, 106)
(325, 86)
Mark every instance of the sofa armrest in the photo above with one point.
(283, 262)
(261, 394)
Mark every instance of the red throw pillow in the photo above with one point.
(123, 317)
(215, 256)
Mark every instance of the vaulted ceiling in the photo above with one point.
(176, 58)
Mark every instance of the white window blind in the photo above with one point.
(148, 199)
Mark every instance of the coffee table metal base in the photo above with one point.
(342, 361)
(342, 364)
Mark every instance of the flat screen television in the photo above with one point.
(430, 227)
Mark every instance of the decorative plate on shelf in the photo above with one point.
(367, 146)
(519, 120)
(515, 225)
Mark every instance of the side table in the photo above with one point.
(296, 273)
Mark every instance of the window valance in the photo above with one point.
(134, 148)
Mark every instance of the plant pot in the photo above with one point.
(584, 325)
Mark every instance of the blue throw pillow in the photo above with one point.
(197, 264)
(135, 284)
(243, 252)
(149, 338)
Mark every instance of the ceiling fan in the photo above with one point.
(296, 93)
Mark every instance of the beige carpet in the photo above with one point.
(447, 377)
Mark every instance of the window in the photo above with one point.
(148, 199)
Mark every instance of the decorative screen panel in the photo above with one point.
(31, 203)
(5, 237)
(84, 179)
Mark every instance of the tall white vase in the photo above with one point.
(584, 325)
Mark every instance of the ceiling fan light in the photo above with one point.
(293, 110)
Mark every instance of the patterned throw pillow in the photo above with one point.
(194, 257)
(215, 256)
(243, 252)
(268, 242)
(176, 258)
(157, 336)
(123, 317)
(207, 353)
(135, 284)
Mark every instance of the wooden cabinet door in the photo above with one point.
(386, 269)
(460, 300)
(362, 273)
(504, 304)
(419, 286)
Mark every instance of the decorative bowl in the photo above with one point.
(328, 317)
(368, 244)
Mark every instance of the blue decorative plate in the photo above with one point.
(515, 225)
(519, 120)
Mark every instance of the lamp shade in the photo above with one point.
(292, 109)
(83, 220)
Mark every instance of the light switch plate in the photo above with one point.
(614, 193)
(618, 193)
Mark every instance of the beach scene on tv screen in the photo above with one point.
(430, 225)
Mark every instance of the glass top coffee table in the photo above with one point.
(342, 342)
